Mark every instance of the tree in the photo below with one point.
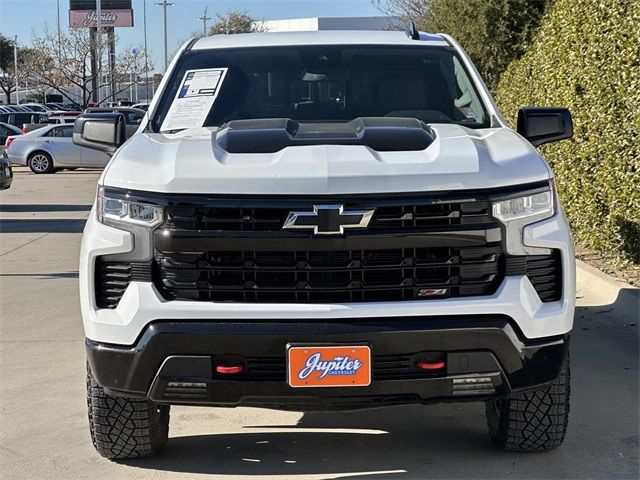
(235, 22)
(406, 10)
(7, 68)
(493, 32)
(586, 57)
(64, 64)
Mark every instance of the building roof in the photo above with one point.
(324, 37)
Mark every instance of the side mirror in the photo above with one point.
(100, 131)
(543, 125)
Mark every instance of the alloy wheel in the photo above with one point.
(40, 163)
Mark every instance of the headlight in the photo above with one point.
(518, 212)
(533, 207)
(138, 218)
(114, 210)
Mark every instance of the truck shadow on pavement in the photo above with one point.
(441, 441)
(42, 207)
(383, 443)
(42, 225)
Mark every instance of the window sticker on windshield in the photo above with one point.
(194, 99)
(468, 113)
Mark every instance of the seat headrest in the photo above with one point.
(397, 92)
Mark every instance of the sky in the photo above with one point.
(23, 17)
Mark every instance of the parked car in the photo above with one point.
(50, 148)
(377, 235)
(6, 172)
(56, 106)
(54, 118)
(15, 108)
(20, 119)
(7, 130)
(22, 108)
(37, 107)
(141, 106)
(72, 106)
(132, 116)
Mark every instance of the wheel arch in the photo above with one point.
(37, 150)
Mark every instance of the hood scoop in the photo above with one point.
(270, 135)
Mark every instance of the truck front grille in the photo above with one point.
(421, 247)
(330, 276)
(390, 214)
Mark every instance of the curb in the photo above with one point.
(597, 288)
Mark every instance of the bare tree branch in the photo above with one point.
(63, 64)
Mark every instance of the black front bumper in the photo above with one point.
(172, 362)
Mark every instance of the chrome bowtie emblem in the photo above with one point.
(328, 220)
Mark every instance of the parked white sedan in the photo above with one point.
(50, 148)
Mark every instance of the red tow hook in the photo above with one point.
(425, 365)
(229, 369)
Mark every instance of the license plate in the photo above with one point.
(329, 366)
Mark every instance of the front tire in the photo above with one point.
(123, 427)
(532, 421)
(40, 162)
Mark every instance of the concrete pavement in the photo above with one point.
(43, 425)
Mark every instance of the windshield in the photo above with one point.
(335, 84)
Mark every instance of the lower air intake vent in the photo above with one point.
(544, 272)
(112, 279)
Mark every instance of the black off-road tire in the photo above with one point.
(125, 427)
(533, 421)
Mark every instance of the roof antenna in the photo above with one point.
(412, 31)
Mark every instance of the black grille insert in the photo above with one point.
(388, 214)
(330, 276)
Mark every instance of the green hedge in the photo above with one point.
(586, 56)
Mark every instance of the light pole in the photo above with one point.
(165, 4)
(135, 52)
(98, 50)
(204, 19)
(15, 67)
(58, 15)
(146, 55)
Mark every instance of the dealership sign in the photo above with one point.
(108, 18)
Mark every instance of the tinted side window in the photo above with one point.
(66, 131)
(4, 133)
(60, 132)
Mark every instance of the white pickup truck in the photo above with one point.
(322, 221)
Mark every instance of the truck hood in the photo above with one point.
(192, 162)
